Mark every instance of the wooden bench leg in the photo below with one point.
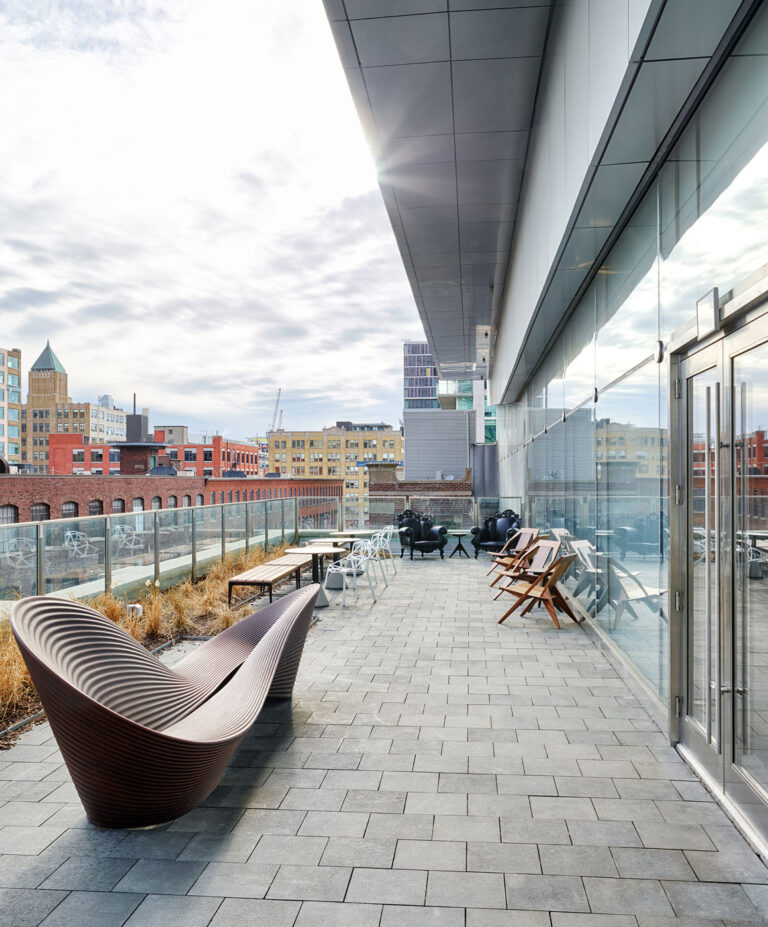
(229, 596)
(298, 578)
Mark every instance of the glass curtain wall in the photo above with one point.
(600, 468)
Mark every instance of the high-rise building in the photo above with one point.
(340, 451)
(579, 191)
(419, 376)
(50, 409)
(10, 407)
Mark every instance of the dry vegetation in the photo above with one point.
(187, 609)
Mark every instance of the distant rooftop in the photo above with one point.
(48, 360)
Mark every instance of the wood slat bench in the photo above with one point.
(267, 574)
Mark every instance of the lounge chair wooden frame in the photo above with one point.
(543, 590)
(529, 565)
(144, 742)
(520, 541)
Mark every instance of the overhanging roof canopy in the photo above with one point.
(445, 91)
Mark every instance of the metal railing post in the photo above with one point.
(296, 520)
(194, 545)
(282, 521)
(266, 525)
(223, 533)
(247, 528)
(107, 554)
(157, 546)
(40, 559)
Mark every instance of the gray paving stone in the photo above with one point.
(576, 809)
(161, 877)
(237, 912)
(545, 892)
(711, 899)
(430, 854)
(310, 883)
(352, 779)
(411, 916)
(224, 848)
(462, 828)
(435, 803)
(604, 833)
(107, 909)
(407, 826)
(256, 822)
(173, 909)
(313, 799)
(370, 852)
(29, 871)
(234, 880)
(485, 917)
(593, 920)
(519, 830)
(368, 800)
(86, 873)
(577, 860)
(30, 841)
(526, 785)
(652, 864)
(334, 824)
(627, 896)
(21, 907)
(334, 914)
(466, 889)
(381, 886)
(300, 851)
(26, 813)
(503, 857)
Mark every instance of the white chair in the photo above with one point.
(350, 567)
(372, 549)
(386, 545)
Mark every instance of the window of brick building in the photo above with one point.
(40, 511)
(69, 510)
(95, 507)
(118, 505)
(9, 514)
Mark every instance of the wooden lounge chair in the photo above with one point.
(626, 590)
(543, 590)
(144, 742)
(516, 545)
(530, 564)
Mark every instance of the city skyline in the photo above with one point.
(168, 169)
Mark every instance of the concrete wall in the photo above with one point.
(437, 440)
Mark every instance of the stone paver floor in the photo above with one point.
(433, 769)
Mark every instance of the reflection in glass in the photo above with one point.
(751, 562)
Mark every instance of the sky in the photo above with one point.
(189, 211)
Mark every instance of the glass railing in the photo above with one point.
(82, 557)
(317, 514)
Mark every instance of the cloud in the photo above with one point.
(192, 212)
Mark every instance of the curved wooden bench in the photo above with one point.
(144, 742)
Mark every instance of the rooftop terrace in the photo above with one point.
(434, 768)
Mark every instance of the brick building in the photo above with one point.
(71, 454)
(37, 498)
(10, 407)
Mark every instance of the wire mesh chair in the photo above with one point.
(349, 568)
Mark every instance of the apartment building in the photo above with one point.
(50, 410)
(419, 376)
(10, 408)
(343, 450)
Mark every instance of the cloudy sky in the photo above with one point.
(188, 210)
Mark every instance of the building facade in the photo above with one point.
(10, 407)
(579, 191)
(50, 410)
(72, 454)
(419, 376)
(342, 451)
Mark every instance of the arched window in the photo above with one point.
(172, 501)
(118, 505)
(186, 501)
(9, 514)
(69, 510)
(213, 498)
(199, 499)
(237, 495)
(40, 511)
(157, 502)
(95, 507)
(138, 504)
(221, 496)
(229, 495)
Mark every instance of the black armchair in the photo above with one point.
(495, 532)
(418, 533)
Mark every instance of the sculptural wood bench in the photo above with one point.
(144, 742)
(266, 575)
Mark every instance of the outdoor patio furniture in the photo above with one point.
(530, 564)
(626, 590)
(495, 532)
(543, 590)
(419, 534)
(349, 568)
(267, 575)
(517, 544)
(645, 536)
(144, 742)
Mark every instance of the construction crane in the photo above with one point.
(277, 404)
(280, 424)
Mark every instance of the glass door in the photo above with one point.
(724, 444)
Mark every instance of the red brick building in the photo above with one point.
(69, 454)
(36, 498)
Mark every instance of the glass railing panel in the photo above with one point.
(234, 527)
(208, 533)
(256, 524)
(275, 521)
(317, 514)
(384, 511)
(73, 556)
(18, 561)
(132, 551)
(451, 511)
(174, 545)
